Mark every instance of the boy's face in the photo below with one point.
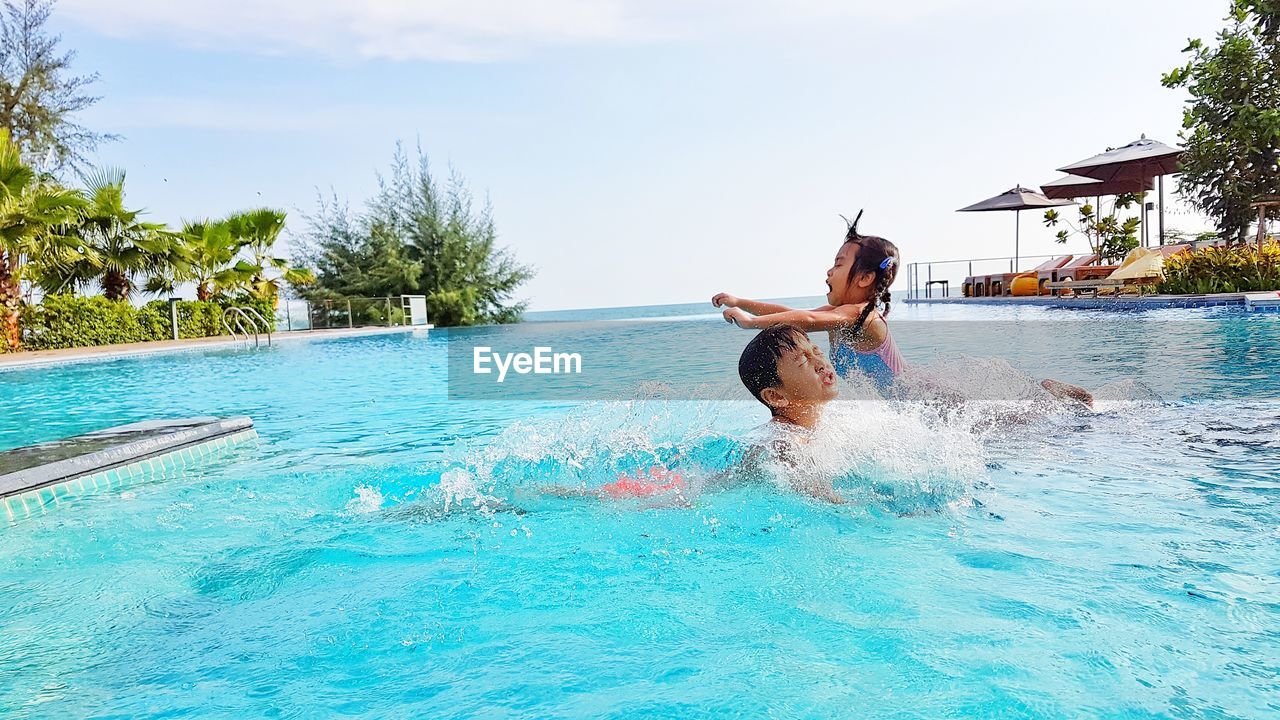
(807, 378)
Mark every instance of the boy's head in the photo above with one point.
(783, 369)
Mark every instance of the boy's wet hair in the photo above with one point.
(875, 255)
(758, 365)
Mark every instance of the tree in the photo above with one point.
(38, 94)
(31, 211)
(355, 261)
(1231, 126)
(1109, 237)
(211, 261)
(416, 236)
(118, 246)
(257, 231)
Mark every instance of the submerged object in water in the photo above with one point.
(658, 482)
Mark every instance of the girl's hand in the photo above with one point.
(724, 300)
(738, 317)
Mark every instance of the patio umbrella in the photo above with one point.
(1075, 186)
(1017, 200)
(1141, 159)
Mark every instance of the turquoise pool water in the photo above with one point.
(383, 552)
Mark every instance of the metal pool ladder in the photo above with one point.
(241, 322)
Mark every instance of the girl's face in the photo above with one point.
(839, 290)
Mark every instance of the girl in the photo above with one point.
(857, 284)
(857, 290)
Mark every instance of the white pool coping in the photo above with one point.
(145, 451)
(66, 356)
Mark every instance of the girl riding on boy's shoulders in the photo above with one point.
(855, 316)
(858, 300)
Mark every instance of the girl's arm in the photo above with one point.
(824, 318)
(760, 307)
(755, 307)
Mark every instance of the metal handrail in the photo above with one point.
(917, 286)
(246, 321)
(260, 322)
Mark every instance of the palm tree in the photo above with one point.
(119, 245)
(31, 210)
(257, 230)
(213, 264)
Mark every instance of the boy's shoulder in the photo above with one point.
(779, 441)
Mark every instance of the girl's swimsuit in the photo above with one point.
(882, 365)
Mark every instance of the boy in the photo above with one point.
(784, 370)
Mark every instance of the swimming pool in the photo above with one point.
(1121, 564)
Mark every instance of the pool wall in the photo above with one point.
(120, 467)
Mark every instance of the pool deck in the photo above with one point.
(1251, 301)
(35, 358)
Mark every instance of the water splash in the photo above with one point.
(888, 454)
(368, 499)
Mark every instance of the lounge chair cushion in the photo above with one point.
(1081, 261)
(1052, 264)
(1140, 263)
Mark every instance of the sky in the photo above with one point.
(640, 151)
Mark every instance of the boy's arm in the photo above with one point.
(801, 482)
(826, 494)
(824, 318)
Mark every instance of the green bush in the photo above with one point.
(65, 321)
(1243, 268)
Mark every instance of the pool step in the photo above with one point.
(1262, 301)
(36, 478)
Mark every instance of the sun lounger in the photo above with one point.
(1093, 286)
(1067, 271)
(1169, 251)
(998, 283)
(1142, 269)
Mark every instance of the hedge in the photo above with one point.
(1243, 268)
(65, 321)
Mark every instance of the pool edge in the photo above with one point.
(113, 474)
